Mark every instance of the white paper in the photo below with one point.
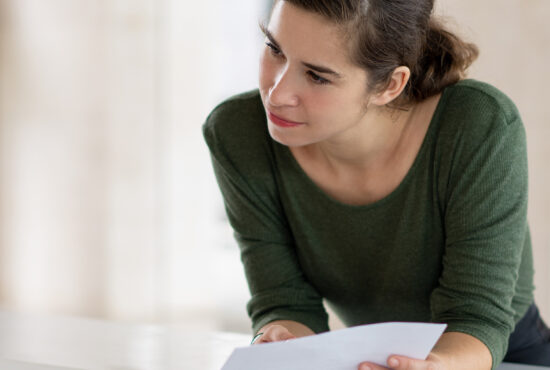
(342, 349)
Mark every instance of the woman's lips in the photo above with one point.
(282, 122)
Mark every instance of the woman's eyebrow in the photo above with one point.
(322, 69)
(314, 67)
(269, 36)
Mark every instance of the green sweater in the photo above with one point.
(450, 244)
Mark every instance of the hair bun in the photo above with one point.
(443, 62)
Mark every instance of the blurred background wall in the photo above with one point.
(108, 204)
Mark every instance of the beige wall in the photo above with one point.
(78, 136)
(108, 203)
(514, 40)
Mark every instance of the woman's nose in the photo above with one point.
(283, 91)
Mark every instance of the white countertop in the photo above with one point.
(33, 342)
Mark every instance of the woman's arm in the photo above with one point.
(243, 163)
(462, 351)
(454, 351)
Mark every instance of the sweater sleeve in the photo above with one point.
(244, 171)
(486, 227)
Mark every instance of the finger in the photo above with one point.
(267, 338)
(275, 338)
(405, 363)
(370, 366)
(275, 333)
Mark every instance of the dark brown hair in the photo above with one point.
(386, 34)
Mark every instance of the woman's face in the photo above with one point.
(310, 89)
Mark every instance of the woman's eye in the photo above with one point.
(317, 79)
(274, 50)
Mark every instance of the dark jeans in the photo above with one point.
(530, 341)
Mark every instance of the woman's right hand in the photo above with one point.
(274, 333)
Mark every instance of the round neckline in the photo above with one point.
(410, 173)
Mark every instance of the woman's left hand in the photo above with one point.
(405, 363)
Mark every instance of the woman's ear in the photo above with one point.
(399, 80)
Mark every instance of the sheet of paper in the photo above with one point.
(341, 349)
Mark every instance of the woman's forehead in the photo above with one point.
(304, 34)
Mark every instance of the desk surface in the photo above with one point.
(31, 342)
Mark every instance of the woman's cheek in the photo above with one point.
(267, 72)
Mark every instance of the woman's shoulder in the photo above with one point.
(473, 98)
(473, 111)
(237, 136)
(480, 136)
(236, 118)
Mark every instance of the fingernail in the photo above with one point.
(365, 367)
(393, 362)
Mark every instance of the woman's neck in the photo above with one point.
(372, 143)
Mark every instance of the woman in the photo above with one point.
(368, 173)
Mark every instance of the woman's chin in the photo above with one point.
(287, 139)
